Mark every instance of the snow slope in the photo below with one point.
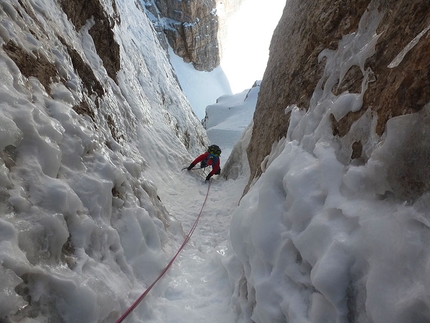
(198, 287)
(201, 88)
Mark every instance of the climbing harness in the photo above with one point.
(187, 238)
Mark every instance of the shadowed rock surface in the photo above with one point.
(191, 29)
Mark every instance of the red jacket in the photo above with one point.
(214, 161)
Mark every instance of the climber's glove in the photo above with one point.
(191, 166)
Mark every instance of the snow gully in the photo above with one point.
(187, 238)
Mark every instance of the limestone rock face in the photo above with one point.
(400, 86)
(107, 48)
(191, 28)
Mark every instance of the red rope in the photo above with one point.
(187, 238)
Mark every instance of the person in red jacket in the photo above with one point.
(209, 158)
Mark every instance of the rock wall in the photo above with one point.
(306, 28)
(191, 29)
(101, 32)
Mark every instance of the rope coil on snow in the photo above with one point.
(187, 238)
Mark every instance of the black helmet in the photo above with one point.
(214, 150)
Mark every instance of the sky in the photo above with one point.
(89, 222)
(246, 47)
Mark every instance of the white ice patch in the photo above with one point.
(10, 300)
(399, 58)
(12, 258)
(10, 134)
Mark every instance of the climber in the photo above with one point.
(209, 158)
